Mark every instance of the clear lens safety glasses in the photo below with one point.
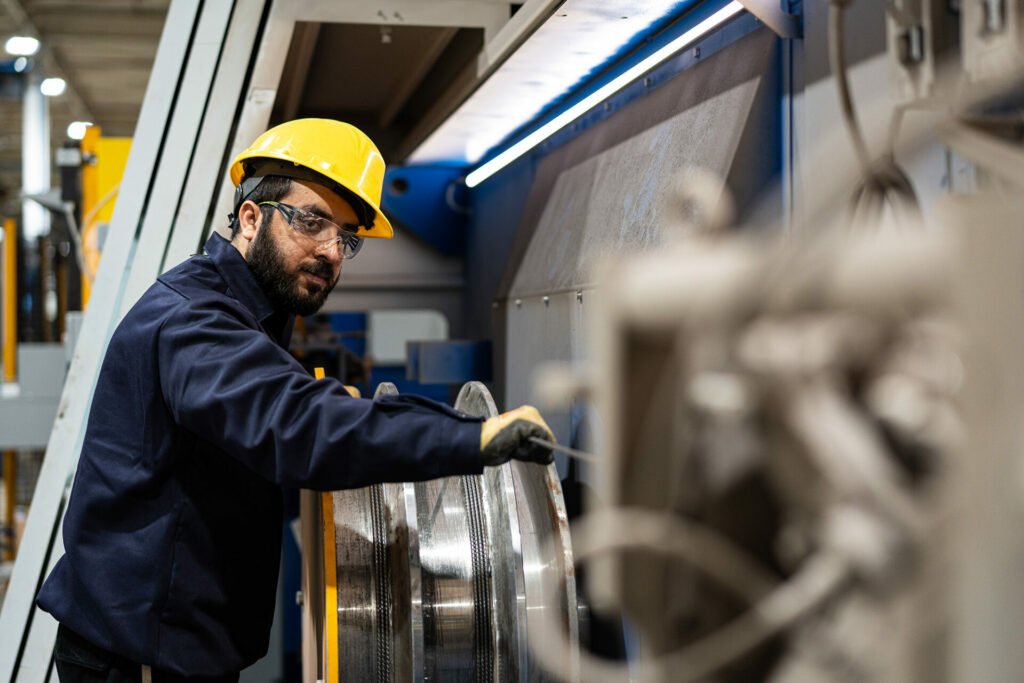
(324, 232)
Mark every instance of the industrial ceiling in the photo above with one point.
(104, 49)
(397, 82)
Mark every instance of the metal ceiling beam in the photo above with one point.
(133, 6)
(771, 14)
(414, 75)
(51, 63)
(292, 87)
(523, 23)
(265, 82)
(496, 50)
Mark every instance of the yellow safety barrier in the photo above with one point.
(105, 160)
(10, 350)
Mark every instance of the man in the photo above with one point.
(200, 416)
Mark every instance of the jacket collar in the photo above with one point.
(247, 290)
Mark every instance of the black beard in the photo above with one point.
(281, 287)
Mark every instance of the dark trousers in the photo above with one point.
(79, 661)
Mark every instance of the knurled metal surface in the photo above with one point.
(483, 654)
(436, 579)
(382, 584)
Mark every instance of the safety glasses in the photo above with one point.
(323, 232)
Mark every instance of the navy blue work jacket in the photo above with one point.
(200, 415)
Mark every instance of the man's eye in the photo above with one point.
(308, 223)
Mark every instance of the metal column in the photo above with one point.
(35, 158)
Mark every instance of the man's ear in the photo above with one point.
(249, 219)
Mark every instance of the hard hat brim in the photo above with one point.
(338, 152)
(381, 225)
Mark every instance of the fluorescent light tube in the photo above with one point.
(489, 168)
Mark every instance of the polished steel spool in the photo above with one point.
(436, 580)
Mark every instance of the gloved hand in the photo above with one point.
(506, 436)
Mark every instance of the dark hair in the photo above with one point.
(260, 168)
(271, 189)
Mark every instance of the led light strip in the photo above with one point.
(489, 168)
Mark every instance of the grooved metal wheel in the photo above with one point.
(436, 580)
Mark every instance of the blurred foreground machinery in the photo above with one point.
(809, 433)
(808, 471)
(804, 449)
(807, 449)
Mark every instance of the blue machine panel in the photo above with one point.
(430, 202)
(449, 362)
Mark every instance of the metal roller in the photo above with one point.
(436, 580)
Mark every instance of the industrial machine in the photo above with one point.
(439, 580)
(758, 265)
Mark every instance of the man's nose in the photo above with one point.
(331, 252)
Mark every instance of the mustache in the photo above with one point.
(320, 269)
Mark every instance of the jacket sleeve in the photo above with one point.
(232, 386)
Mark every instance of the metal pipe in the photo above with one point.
(571, 452)
(35, 158)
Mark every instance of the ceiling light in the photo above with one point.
(76, 129)
(53, 87)
(24, 46)
(20, 64)
(489, 168)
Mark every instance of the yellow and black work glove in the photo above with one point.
(507, 436)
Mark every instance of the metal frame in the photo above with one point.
(28, 656)
(190, 229)
(182, 134)
(783, 24)
(489, 15)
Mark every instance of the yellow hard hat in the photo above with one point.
(315, 149)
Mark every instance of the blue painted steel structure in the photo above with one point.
(397, 375)
(641, 48)
(480, 224)
(433, 203)
(498, 203)
(430, 202)
(449, 362)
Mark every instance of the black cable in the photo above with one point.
(883, 182)
(837, 62)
